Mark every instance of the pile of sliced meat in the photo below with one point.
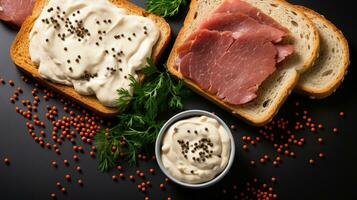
(15, 11)
(233, 51)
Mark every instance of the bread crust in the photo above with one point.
(20, 55)
(319, 93)
(237, 110)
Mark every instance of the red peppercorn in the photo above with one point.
(92, 154)
(75, 157)
(67, 177)
(114, 178)
(320, 140)
(273, 179)
(245, 147)
(53, 195)
(7, 161)
(311, 162)
(335, 130)
(141, 174)
(131, 177)
(341, 114)
(121, 175)
(275, 163)
(63, 190)
(80, 182)
(233, 126)
(262, 160)
(78, 168)
(66, 162)
(57, 151)
(152, 170)
(11, 82)
(162, 186)
(54, 164)
(321, 155)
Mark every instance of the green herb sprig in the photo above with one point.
(165, 8)
(138, 125)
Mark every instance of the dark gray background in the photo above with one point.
(31, 176)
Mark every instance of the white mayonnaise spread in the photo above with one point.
(92, 45)
(195, 150)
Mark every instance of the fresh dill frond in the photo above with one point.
(138, 125)
(165, 8)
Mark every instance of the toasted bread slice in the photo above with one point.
(20, 54)
(278, 86)
(324, 77)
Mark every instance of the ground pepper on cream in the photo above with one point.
(195, 150)
(91, 44)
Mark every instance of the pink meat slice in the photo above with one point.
(240, 24)
(240, 6)
(248, 62)
(15, 11)
(232, 69)
(284, 50)
(201, 56)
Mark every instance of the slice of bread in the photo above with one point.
(278, 86)
(20, 54)
(323, 78)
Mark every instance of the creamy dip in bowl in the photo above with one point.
(195, 149)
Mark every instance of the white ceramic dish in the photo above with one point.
(185, 115)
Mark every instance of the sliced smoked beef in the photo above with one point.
(15, 11)
(234, 6)
(239, 24)
(232, 52)
(211, 60)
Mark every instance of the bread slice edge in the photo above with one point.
(327, 90)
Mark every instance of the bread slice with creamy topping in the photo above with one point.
(273, 92)
(324, 77)
(20, 53)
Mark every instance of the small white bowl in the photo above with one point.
(185, 115)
